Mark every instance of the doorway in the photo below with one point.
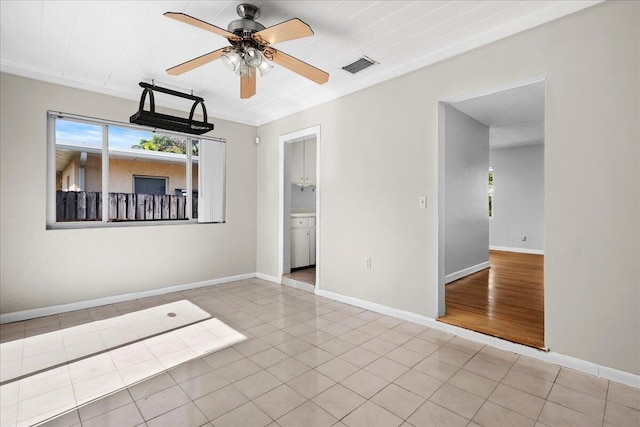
(299, 209)
(491, 215)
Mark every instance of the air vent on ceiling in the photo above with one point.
(359, 65)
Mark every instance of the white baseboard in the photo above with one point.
(268, 278)
(467, 271)
(18, 316)
(545, 356)
(519, 250)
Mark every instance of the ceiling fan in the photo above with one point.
(251, 47)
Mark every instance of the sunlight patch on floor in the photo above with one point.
(29, 355)
(41, 396)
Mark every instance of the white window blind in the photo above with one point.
(211, 181)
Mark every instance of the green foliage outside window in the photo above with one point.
(165, 144)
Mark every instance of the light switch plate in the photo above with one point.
(422, 202)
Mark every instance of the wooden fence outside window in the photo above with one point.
(87, 206)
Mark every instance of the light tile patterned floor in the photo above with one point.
(310, 361)
(38, 397)
(35, 353)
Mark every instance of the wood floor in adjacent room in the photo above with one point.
(505, 300)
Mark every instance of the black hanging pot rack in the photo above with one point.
(165, 121)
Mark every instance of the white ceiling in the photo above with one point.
(515, 116)
(110, 46)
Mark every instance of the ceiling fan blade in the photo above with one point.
(201, 24)
(300, 67)
(282, 32)
(248, 84)
(196, 62)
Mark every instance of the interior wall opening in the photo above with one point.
(299, 209)
(491, 216)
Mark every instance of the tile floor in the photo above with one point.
(311, 361)
(29, 355)
(38, 397)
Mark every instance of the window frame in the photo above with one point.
(51, 219)
(490, 184)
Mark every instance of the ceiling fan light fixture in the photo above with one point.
(264, 68)
(232, 60)
(243, 69)
(252, 57)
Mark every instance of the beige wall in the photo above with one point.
(69, 177)
(379, 152)
(92, 177)
(93, 173)
(40, 267)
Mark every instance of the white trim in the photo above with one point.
(440, 301)
(465, 272)
(51, 171)
(104, 157)
(17, 316)
(591, 368)
(281, 223)
(518, 250)
(268, 278)
(299, 135)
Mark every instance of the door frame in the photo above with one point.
(440, 303)
(283, 221)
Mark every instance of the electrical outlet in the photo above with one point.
(367, 262)
(422, 202)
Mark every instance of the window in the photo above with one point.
(102, 172)
(150, 185)
(490, 192)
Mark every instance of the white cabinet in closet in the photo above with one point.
(303, 242)
(303, 162)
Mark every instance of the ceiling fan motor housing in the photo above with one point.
(246, 25)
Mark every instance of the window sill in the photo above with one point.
(118, 224)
